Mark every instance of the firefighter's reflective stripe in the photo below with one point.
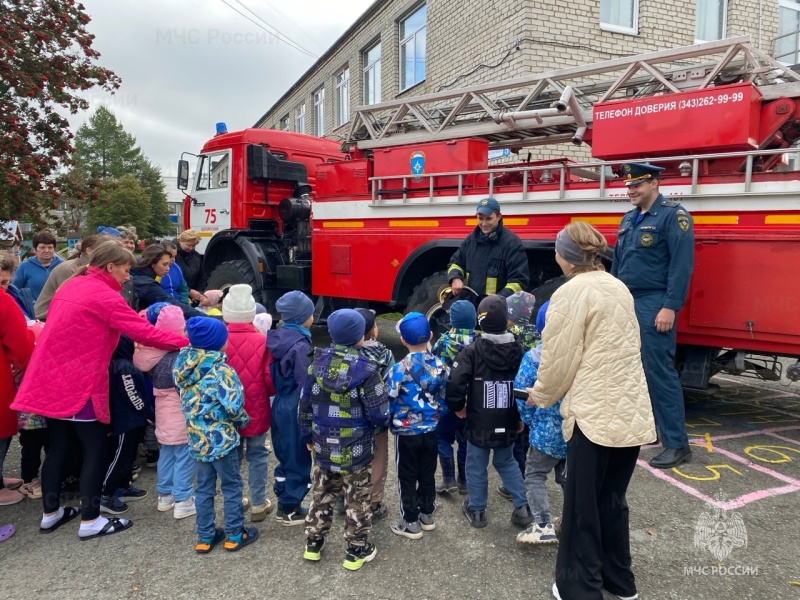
(491, 285)
(455, 267)
(514, 287)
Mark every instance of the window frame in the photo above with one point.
(341, 97)
(300, 118)
(633, 30)
(285, 123)
(413, 38)
(319, 117)
(368, 71)
(723, 25)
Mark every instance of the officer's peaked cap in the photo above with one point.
(635, 173)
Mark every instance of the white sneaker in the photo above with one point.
(556, 595)
(165, 503)
(543, 533)
(185, 508)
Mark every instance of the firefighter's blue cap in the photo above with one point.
(636, 173)
(487, 206)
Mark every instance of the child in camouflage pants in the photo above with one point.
(342, 402)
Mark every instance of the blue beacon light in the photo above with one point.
(221, 128)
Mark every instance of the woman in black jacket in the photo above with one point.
(191, 263)
(154, 262)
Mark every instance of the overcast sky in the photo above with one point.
(186, 64)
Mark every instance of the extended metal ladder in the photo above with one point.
(556, 106)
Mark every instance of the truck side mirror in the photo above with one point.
(183, 175)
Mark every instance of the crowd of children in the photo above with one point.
(216, 400)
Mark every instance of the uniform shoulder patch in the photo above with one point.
(670, 203)
(683, 222)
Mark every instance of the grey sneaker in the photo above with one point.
(476, 518)
(412, 531)
(426, 522)
(522, 516)
(380, 511)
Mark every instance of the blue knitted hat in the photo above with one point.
(295, 307)
(346, 326)
(463, 315)
(206, 333)
(540, 317)
(414, 329)
(153, 310)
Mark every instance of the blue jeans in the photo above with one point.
(227, 469)
(478, 477)
(257, 456)
(176, 472)
(450, 430)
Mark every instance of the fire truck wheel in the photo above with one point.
(425, 299)
(230, 273)
(544, 291)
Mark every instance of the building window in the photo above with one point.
(342, 97)
(372, 75)
(621, 16)
(412, 48)
(300, 119)
(787, 44)
(285, 123)
(709, 20)
(319, 112)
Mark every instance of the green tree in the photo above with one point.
(151, 181)
(104, 149)
(46, 58)
(124, 200)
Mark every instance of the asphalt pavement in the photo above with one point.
(721, 527)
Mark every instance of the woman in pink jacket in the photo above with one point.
(248, 356)
(67, 381)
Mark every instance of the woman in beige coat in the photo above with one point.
(591, 358)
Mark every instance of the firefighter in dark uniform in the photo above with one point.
(491, 260)
(654, 258)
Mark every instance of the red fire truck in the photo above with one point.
(374, 221)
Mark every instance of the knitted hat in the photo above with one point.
(463, 315)
(239, 305)
(153, 311)
(541, 317)
(170, 318)
(103, 230)
(260, 308)
(493, 314)
(295, 307)
(346, 326)
(520, 307)
(369, 319)
(206, 334)
(214, 296)
(263, 322)
(414, 329)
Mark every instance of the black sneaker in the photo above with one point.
(357, 556)
(462, 487)
(314, 549)
(112, 505)
(379, 512)
(504, 492)
(476, 518)
(131, 493)
(151, 460)
(288, 519)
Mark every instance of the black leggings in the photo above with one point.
(32, 441)
(93, 439)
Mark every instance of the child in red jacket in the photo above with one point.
(248, 356)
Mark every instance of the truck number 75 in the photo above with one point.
(211, 215)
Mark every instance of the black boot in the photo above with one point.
(448, 484)
(462, 479)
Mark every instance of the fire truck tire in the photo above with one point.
(230, 273)
(425, 299)
(544, 291)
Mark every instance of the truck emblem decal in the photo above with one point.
(417, 163)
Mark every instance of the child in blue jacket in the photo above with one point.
(547, 452)
(290, 346)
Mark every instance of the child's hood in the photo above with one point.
(338, 369)
(193, 364)
(498, 355)
(282, 340)
(426, 372)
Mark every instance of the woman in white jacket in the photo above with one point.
(591, 358)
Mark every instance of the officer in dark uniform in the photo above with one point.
(654, 257)
(492, 259)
